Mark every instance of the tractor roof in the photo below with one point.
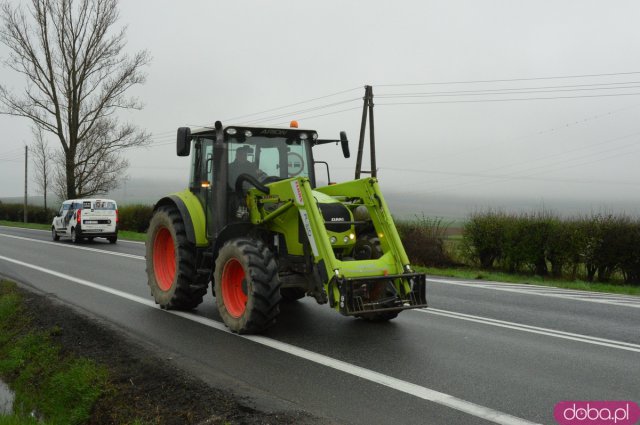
(231, 130)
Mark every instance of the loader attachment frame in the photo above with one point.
(348, 283)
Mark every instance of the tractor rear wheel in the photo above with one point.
(171, 267)
(247, 286)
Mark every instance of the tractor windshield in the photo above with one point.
(264, 157)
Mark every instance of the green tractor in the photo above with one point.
(254, 223)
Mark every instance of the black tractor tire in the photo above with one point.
(292, 294)
(247, 286)
(367, 247)
(54, 235)
(171, 263)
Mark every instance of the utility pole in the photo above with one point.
(367, 110)
(26, 161)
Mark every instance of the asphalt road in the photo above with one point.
(482, 353)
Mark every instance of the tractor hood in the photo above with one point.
(336, 216)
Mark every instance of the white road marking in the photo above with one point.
(83, 248)
(534, 329)
(360, 372)
(591, 297)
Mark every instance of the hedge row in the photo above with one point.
(135, 217)
(15, 212)
(597, 246)
(423, 240)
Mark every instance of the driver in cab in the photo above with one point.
(242, 165)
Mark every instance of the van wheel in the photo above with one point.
(74, 236)
(171, 262)
(54, 235)
(113, 239)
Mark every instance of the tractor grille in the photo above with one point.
(336, 216)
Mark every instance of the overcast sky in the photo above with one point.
(220, 60)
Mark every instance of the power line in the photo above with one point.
(543, 132)
(508, 80)
(515, 176)
(501, 92)
(294, 104)
(509, 177)
(324, 115)
(565, 86)
(13, 159)
(299, 112)
(10, 152)
(505, 100)
(276, 109)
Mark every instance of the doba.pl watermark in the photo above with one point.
(596, 413)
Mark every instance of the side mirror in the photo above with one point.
(345, 144)
(183, 143)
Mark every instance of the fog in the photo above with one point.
(495, 102)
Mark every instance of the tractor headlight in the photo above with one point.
(231, 131)
(352, 236)
(248, 133)
(314, 136)
(303, 136)
(345, 239)
(333, 240)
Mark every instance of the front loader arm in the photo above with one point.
(340, 277)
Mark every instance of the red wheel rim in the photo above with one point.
(233, 293)
(164, 259)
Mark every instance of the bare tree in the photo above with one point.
(42, 162)
(77, 75)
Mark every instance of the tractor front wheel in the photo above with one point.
(247, 286)
(171, 263)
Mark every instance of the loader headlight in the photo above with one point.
(333, 240)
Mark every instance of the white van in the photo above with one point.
(86, 219)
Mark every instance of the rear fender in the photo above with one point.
(192, 215)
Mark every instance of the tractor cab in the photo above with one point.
(227, 161)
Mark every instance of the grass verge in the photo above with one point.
(61, 389)
(122, 234)
(476, 274)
